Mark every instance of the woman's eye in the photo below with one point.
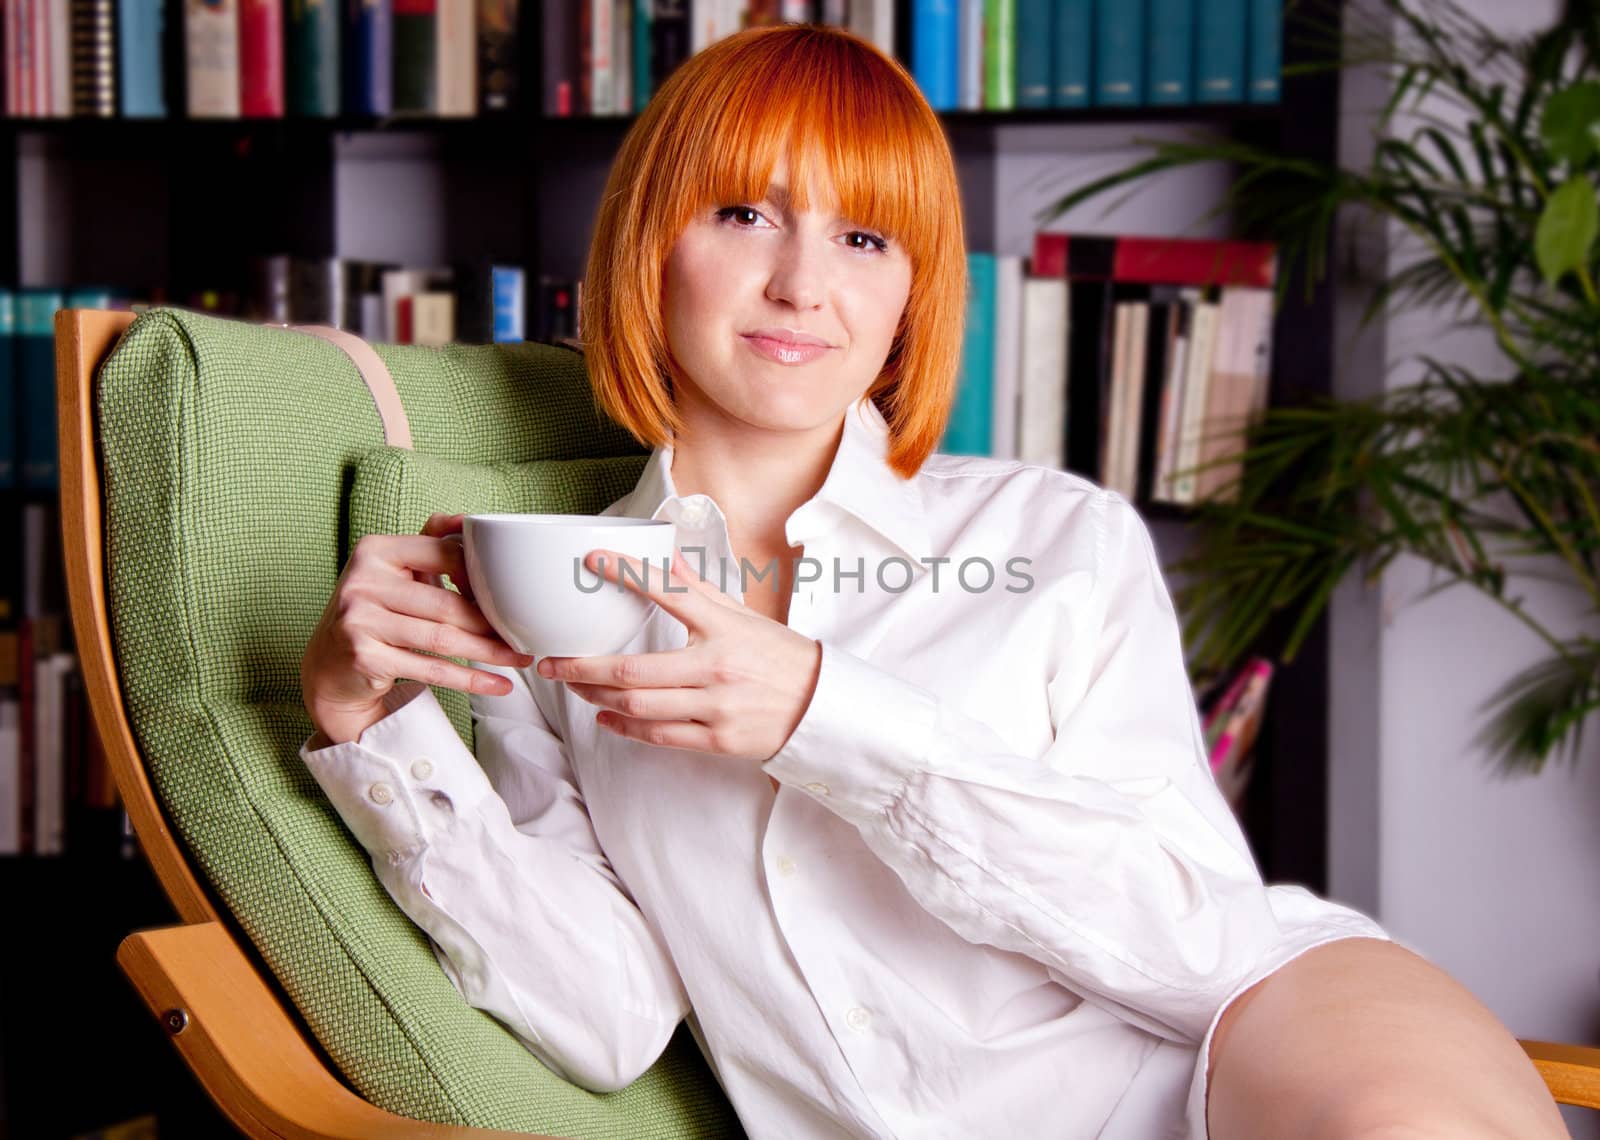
(873, 240)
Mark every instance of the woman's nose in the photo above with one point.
(797, 276)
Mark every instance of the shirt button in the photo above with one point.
(857, 1018)
(380, 793)
(423, 768)
(694, 513)
(785, 865)
(820, 789)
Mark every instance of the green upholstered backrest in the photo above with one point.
(229, 452)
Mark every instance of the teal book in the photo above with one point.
(36, 375)
(311, 57)
(1035, 37)
(1119, 53)
(1265, 50)
(1169, 74)
(1219, 51)
(970, 430)
(8, 390)
(139, 71)
(1071, 61)
(999, 55)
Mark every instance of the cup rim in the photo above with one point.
(537, 519)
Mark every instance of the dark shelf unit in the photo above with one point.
(178, 202)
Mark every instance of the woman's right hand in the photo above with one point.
(388, 604)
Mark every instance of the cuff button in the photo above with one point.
(380, 793)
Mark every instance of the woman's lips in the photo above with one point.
(783, 352)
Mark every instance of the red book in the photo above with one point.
(1167, 261)
(402, 320)
(261, 59)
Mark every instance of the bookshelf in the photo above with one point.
(182, 204)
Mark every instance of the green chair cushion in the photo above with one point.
(228, 451)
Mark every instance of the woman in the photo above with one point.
(912, 817)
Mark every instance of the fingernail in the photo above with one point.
(545, 668)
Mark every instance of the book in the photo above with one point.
(1219, 51)
(457, 61)
(140, 31)
(211, 43)
(999, 55)
(935, 49)
(1170, 47)
(261, 59)
(1118, 53)
(1042, 410)
(311, 57)
(1072, 62)
(497, 53)
(971, 429)
(94, 59)
(1264, 51)
(415, 31)
(1035, 31)
(367, 57)
(1007, 364)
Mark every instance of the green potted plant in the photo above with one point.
(1460, 469)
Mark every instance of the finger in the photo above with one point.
(699, 583)
(662, 733)
(646, 579)
(406, 632)
(437, 604)
(668, 669)
(647, 704)
(387, 663)
(405, 552)
(439, 525)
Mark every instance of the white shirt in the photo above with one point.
(996, 894)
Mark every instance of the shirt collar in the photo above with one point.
(859, 483)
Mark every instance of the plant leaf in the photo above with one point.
(1570, 125)
(1566, 228)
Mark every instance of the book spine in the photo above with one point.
(1000, 59)
(1265, 50)
(622, 57)
(1219, 51)
(970, 429)
(369, 66)
(59, 13)
(970, 48)
(1042, 414)
(669, 39)
(1196, 384)
(1170, 71)
(1035, 37)
(211, 39)
(415, 31)
(457, 62)
(596, 88)
(934, 51)
(497, 55)
(10, 397)
(1119, 53)
(1007, 355)
(36, 375)
(509, 293)
(311, 49)
(261, 58)
(94, 59)
(139, 59)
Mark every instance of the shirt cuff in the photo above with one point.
(1350, 924)
(382, 782)
(862, 737)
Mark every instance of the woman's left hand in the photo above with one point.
(737, 689)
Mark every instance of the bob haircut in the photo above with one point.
(711, 135)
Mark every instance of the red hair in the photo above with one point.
(853, 118)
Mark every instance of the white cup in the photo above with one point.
(529, 579)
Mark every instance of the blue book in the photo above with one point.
(1119, 53)
(1265, 50)
(970, 430)
(139, 73)
(1219, 51)
(934, 57)
(507, 289)
(368, 57)
(1071, 62)
(1170, 71)
(36, 375)
(1035, 40)
(8, 390)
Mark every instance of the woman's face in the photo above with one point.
(740, 267)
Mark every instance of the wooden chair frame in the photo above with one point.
(245, 1045)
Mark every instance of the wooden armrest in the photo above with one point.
(1571, 1071)
(248, 1052)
